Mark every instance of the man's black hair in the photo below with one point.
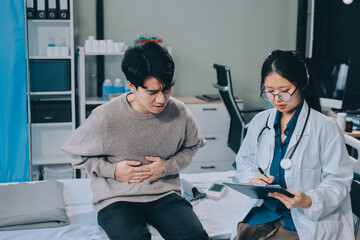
(148, 60)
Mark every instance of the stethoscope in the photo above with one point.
(286, 163)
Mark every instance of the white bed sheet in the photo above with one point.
(218, 217)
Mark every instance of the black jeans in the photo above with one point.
(171, 215)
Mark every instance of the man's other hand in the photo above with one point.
(157, 167)
(130, 171)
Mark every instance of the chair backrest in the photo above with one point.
(355, 196)
(355, 144)
(237, 122)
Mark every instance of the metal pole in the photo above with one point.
(310, 28)
(100, 62)
(28, 90)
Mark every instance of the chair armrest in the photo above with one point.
(221, 88)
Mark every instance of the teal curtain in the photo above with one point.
(14, 147)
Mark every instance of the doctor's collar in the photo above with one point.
(292, 123)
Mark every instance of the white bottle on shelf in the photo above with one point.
(95, 46)
(64, 51)
(57, 51)
(88, 46)
(109, 46)
(119, 47)
(103, 46)
(50, 50)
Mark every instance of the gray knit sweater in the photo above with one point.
(115, 132)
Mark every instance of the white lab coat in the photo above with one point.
(321, 168)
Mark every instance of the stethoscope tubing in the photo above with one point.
(301, 135)
(264, 128)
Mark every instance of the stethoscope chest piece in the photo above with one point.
(286, 163)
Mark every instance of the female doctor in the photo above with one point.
(300, 149)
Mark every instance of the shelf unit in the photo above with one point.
(214, 122)
(86, 100)
(45, 94)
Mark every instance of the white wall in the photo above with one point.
(238, 33)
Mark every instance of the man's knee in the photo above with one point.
(119, 233)
(120, 222)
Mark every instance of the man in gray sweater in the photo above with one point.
(134, 148)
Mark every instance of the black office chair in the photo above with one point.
(353, 147)
(238, 125)
(355, 204)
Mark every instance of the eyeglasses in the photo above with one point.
(284, 96)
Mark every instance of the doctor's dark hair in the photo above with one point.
(290, 65)
(148, 60)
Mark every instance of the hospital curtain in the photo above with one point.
(14, 147)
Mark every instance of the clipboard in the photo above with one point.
(258, 191)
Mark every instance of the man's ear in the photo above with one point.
(131, 86)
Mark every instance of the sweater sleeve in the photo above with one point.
(95, 166)
(193, 141)
(86, 147)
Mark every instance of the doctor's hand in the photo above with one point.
(300, 199)
(157, 167)
(130, 171)
(262, 179)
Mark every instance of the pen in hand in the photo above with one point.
(262, 172)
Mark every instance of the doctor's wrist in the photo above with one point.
(308, 201)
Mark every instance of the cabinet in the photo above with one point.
(213, 121)
(51, 89)
(87, 101)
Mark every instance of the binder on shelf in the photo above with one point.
(40, 9)
(30, 9)
(64, 11)
(52, 9)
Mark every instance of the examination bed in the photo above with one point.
(218, 217)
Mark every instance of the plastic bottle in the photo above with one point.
(107, 88)
(88, 46)
(103, 46)
(119, 86)
(50, 50)
(95, 46)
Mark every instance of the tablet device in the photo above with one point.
(258, 191)
(207, 99)
(212, 97)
